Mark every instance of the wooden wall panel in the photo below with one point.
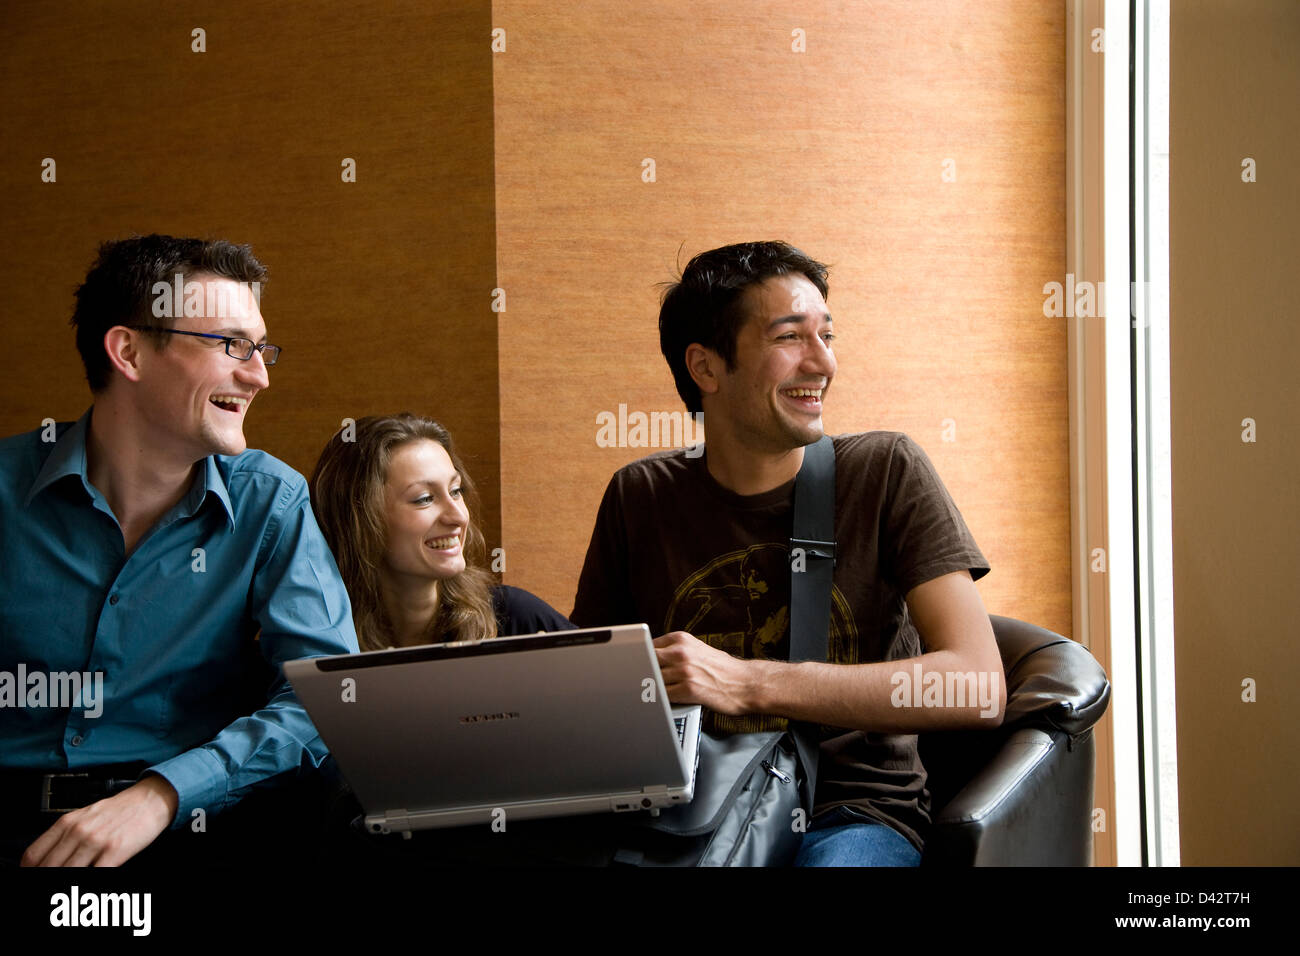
(936, 287)
(379, 290)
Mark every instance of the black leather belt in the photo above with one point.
(34, 791)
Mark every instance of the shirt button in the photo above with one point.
(113, 599)
(76, 741)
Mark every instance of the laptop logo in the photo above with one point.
(482, 718)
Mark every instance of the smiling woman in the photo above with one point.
(396, 507)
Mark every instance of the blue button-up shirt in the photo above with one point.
(171, 630)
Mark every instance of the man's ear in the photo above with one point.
(123, 347)
(705, 366)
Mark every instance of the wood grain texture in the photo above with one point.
(936, 287)
(379, 290)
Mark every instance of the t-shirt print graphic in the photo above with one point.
(740, 603)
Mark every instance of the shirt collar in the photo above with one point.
(69, 458)
(209, 479)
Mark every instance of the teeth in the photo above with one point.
(442, 544)
(229, 399)
(804, 392)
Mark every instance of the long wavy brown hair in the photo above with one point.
(347, 494)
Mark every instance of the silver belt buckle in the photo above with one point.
(45, 792)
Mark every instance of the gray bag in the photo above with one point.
(747, 801)
(752, 790)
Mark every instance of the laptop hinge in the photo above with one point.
(397, 821)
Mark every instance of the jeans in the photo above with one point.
(843, 837)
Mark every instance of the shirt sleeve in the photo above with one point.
(604, 592)
(299, 600)
(925, 535)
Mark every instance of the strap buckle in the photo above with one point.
(813, 549)
(47, 783)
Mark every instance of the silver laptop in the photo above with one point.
(514, 728)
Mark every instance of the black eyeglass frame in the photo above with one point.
(270, 353)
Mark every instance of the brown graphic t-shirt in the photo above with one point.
(676, 550)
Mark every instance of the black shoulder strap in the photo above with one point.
(812, 566)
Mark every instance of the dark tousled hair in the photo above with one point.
(119, 287)
(703, 306)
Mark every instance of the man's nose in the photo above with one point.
(253, 371)
(819, 358)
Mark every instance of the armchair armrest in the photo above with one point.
(1021, 794)
(1029, 806)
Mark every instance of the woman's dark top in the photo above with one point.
(521, 612)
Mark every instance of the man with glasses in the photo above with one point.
(146, 548)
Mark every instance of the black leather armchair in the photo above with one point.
(1021, 795)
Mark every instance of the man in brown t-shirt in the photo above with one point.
(698, 548)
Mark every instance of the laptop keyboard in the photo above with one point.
(680, 722)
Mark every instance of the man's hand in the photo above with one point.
(108, 832)
(696, 673)
(951, 619)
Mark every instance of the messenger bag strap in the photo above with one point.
(812, 567)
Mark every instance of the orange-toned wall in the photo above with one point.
(936, 286)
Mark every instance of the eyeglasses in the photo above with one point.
(238, 348)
